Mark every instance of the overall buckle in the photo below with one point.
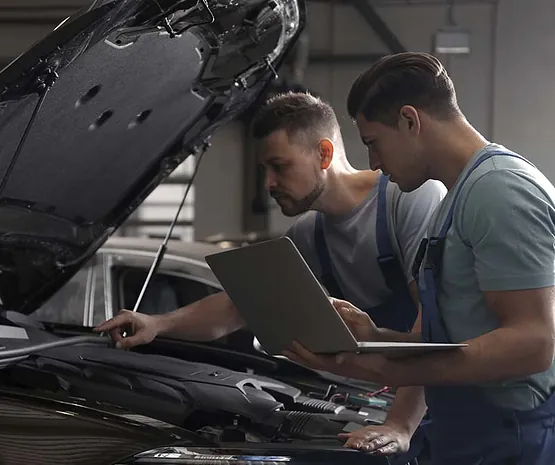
(435, 253)
(420, 253)
(432, 250)
(392, 272)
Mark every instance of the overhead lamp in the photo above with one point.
(450, 41)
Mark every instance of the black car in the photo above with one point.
(92, 118)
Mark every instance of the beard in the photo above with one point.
(292, 207)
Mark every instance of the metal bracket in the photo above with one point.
(375, 21)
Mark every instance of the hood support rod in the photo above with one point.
(44, 83)
(163, 245)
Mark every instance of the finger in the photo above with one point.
(116, 334)
(345, 358)
(379, 442)
(347, 313)
(291, 355)
(364, 435)
(355, 443)
(298, 359)
(131, 341)
(391, 448)
(318, 361)
(121, 319)
(339, 303)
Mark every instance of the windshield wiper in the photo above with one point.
(9, 356)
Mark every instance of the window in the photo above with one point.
(67, 306)
(164, 294)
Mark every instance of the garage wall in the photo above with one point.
(504, 85)
(219, 185)
(524, 83)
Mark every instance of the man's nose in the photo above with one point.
(269, 180)
(374, 162)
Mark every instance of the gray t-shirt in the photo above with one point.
(351, 239)
(502, 238)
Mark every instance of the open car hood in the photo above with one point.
(95, 115)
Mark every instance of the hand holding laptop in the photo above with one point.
(359, 322)
(367, 366)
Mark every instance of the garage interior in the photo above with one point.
(501, 59)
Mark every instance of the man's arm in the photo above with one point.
(409, 406)
(403, 418)
(522, 346)
(207, 319)
(210, 318)
(509, 224)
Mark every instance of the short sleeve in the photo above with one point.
(290, 233)
(412, 216)
(508, 221)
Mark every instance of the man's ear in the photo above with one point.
(325, 149)
(410, 119)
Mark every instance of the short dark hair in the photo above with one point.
(298, 113)
(409, 78)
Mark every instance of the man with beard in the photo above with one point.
(356, 230)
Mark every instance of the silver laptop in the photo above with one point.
(280, 299)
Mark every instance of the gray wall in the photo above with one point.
(524, 96)
(219, 185)
(505, 85)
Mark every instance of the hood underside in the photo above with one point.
(94, 116)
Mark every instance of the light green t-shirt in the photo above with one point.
(502, 238)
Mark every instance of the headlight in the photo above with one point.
(289, 12)
(196, 456)
(254, 454)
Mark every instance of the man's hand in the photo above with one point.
(381, 440)
(144, 328)
(360, 324)
(368, 367)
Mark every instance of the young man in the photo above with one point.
(486, 275)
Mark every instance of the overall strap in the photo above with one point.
(322, 252)
(431, 253)
(483, 158)
(434, 243)
(382, 234)
(389, 264)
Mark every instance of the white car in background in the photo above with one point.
(114, 277)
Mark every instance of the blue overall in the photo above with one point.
(398, 312)
(466, 428)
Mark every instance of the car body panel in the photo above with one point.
(47, 430)
(95, 115)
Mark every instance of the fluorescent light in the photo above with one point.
(452, 41)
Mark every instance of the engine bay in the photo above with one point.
(219, 404)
